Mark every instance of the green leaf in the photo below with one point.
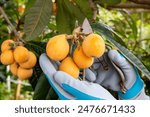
(37, 18)
(37, 71)
(111, 36)
(37, 47)
(51, 95)
(74, 11)
(131, 23)
(63, 19)
(52, 26)
(69, 12)
(108, 32)
(29, 4)
(85, 8)
(41, 89)
(3, 74)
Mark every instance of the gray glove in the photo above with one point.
(68, 87)
(107, 76)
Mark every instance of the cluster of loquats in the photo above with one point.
(20, 59)
(82, 57)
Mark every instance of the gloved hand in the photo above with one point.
(68, 87)
(107, 76)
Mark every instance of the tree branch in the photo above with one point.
(147, 2)
(139, 10)
(94, 9)
(9, 22)
(129, 6)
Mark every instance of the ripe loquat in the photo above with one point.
(24, 74)
(81, 59)
(57, 47)
(14, 68)
(68, 66)
(6, 45)
(21, 54)
(30, 62)
(7, 57)
(93, 45)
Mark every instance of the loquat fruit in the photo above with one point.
(14, 68)
(68, 66)
(30, 62)
(81, 59)
(6, 45)
(57, 47)
(24, 74)
(21, 54)
(7, 57)
(93, 45)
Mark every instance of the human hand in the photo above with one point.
(68, 87)
(107, 75)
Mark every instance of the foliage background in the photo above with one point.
(129, 19)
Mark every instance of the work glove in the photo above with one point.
(108, 77)
(68, 87)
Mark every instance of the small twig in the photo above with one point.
(9, 22)
(94, 9)
(147, 2)
(82, 33)
(71, 46)
(143, 40)
(76, 30)
(129, 6)
(131, 11)
(83, 74)
(76, 24)
(69, 37)
(18, 24)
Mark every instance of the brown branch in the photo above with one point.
(9, 22)
(143, 40)
(147, 2)
(94, 9)
(138, 10)
(129, 6)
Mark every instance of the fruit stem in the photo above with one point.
(84, 74)
(71, 46)
(69, 37)
(82, 33)
(76, 30)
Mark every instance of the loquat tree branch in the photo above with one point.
(129, 6)
(9, 22)
(139, 10)
(147, 2)
(94, 9)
